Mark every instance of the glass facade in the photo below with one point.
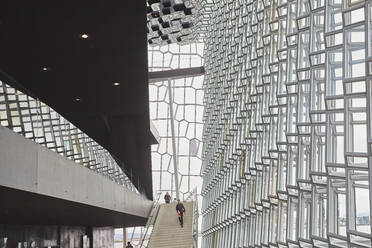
(37, 121)
(188, 110)
(287, 124)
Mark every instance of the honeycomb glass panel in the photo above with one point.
(287, 114)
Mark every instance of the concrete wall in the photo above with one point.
(16, 234)
(27, 166)
(103, 236)
(71, 237)
(56, 236)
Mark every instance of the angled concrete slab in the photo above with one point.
(40, 186)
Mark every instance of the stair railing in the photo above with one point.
(195, 224)
(151, 221)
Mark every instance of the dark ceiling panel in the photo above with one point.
(21, 207)
(43, 33)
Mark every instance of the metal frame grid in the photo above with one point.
(175, 56)
(287, 134)
(173, 21)
(188, 95)
(37, 121)
(188, 113)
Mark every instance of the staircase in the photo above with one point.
(167, 231)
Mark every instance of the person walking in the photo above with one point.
(180, 211)
(129, 245)
(167, 198)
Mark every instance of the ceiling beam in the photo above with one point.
(158, 76)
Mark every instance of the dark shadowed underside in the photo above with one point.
(42, 53)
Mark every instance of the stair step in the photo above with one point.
(167, 231)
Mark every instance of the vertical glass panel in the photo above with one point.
(354, 52)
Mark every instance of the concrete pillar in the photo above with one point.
(124, 237)
(103, 237)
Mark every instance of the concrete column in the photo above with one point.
(175, 158)
(124, 237)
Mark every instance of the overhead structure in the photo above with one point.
(38, 185)
(86, 60)
(158, 76)
(172, 21)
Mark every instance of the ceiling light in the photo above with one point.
(116, 84)
(78, 99)
(84, 36)
(44, 68)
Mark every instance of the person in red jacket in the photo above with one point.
(180, 211)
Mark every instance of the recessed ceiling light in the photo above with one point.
(77, 99)
(116, 84)
(44, 68)
(84, 36)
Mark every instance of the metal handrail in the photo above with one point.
(152, 217)
(154, 214)
(195, 224)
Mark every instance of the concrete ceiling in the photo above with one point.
(98, 82)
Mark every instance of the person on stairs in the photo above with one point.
(180, 211)
(129, 245)
(167, 198)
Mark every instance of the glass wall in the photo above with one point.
(287, 124)
(188, 110)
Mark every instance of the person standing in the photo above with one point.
(167, 198)
(180, 211)
(129, 245)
